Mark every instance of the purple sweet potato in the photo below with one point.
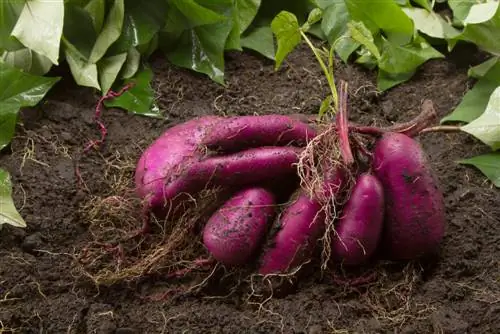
(174, 149)
(303, 221)
(174, 153)
(300, 226)
(358, 230)
(243, 168)
(415, 213)
(235, 231)
(235, 133)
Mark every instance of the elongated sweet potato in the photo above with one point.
(182, 146)
(235, 133)
(358, 230)
(234, 232)
(237, 169)
(415, 213)
(175, 149)
(300, 226)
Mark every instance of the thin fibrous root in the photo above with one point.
(324, 169)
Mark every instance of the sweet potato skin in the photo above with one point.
(358, 230)
(414, 205)
(177, 146)
(186, 144)
(235, 231)
(235, 133)
(237, 169)
(301, 224)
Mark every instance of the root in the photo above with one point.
(102, 128)
(115, 253)
(325, 170)
(175, 251)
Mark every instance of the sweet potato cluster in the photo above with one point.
(285, 193)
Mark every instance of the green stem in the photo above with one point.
(329, 78)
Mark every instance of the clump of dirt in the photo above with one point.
(41, 290)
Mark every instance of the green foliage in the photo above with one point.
(8, 212)
(488, 164)
(17, 90)
(140, 98)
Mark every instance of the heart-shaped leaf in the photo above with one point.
(40, 27)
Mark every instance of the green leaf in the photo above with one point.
(246, 11)
(97, 11)
(200, 48)
(40, 27)
(424, 3)
(109, 68)
(188, 14)
(9, 14)
(482, 69)
(359, 33)
(140, 98)
(132, 64)
(28, 61)
(287, 31)
(110, 32)
(487, 126)
(325, 105)
(78, 33)
(334, 25)
(461, 8)
(431, 23)
(484, 34)
(384, 16)
(147, 49)
(475, 100)
(8, 212)
(84, 73)
(243, 14)
(17, 90)
(405, 59)
(488, 164)
(387, 80)
(481, 12)
(142, 21)
(261, 40)
(314, 17)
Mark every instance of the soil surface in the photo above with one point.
(42, 289)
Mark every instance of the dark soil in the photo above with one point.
(41, 290)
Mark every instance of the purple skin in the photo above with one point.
(181, 144)
(301, 225)
(251, 166)
(235, 133)
(358, 230)
(415, 213)
(184, 145)
(235, 231)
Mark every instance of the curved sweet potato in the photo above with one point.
(176, 147)
(180, 147)
(415, 213)
(236, 229)
(358, 230)
(241, 132)
(300, 226)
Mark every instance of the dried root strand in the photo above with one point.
(325, 169)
